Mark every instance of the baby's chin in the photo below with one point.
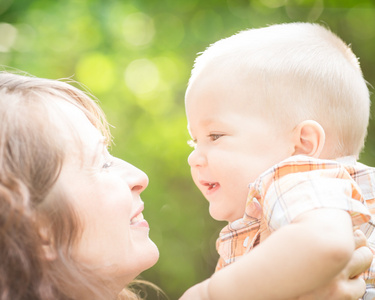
(221, 215)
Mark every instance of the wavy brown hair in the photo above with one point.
(32, 202)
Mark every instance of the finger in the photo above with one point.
(360, 262)
(359, 239)
(353, 289)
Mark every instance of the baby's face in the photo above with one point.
(233, 144)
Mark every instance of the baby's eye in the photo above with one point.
(215, 136)
(192, 143)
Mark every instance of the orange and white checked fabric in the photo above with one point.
(297, 185)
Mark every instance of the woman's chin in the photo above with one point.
(154, 256)
(147, 258)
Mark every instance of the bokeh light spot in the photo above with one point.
(138, 29)
(8, 35)
(96, 71)
(142, 76)
(170, 68)
(308, 10)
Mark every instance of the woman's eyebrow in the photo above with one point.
(99, 149)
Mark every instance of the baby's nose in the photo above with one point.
(196, 159)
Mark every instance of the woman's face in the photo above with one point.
(105, 193)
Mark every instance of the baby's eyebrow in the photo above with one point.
(208, 122)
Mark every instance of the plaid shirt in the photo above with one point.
(294, 186)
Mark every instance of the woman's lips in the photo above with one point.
(138, 220)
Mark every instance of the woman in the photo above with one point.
(71, 224)
(71, 214)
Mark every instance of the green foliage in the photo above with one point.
(136, 56)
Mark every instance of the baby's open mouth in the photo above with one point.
(212, 185)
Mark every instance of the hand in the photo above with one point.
(348, 285)
(197, 292)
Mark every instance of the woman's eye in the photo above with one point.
(107, 164)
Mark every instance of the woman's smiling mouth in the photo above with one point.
(138, 220)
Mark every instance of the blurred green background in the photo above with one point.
(136, 56)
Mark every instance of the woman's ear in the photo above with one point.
(309, 138)
(47, 244)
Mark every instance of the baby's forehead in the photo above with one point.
(237, 83)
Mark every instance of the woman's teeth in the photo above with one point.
(137, 219)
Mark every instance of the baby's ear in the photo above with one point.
(309, 138)
(47, 244)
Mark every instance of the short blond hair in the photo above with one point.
(302, 71)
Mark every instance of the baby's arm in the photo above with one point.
(296, 259)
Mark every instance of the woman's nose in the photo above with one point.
(196, 159)
(137, 179)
